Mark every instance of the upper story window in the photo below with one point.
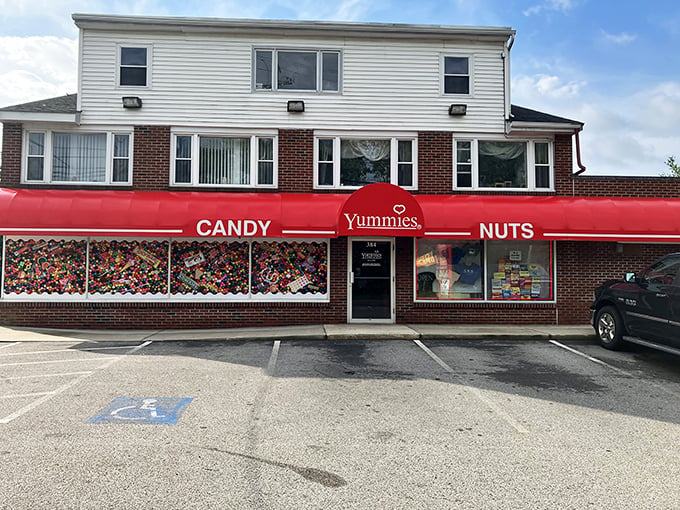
(299, 70)
(228, 161)
(354, 162)
(84, 158)
(133, 66)
(524, 165)
(456, 75)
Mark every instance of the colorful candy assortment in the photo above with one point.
(128, 267)
(209, 268)
(289, 268)
(43, 266)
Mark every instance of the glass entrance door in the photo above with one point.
(371, 281)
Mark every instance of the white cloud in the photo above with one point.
(33, 68)
(622, 38)
(550, 5)
(623, 134)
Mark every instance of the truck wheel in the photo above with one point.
(609, 328)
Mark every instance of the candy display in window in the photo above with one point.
(289, 268)
(128, 267)
(209, 268)
(41, 266)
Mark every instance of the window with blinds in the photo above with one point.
(231, 161)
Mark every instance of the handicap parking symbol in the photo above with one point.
(147, 410)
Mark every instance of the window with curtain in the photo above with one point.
(205, 160)
(90, 158)
(514, 165)
(309, 70)
(348, 162)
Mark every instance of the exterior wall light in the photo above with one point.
(132, 102)
(458, 109)
(296, 106)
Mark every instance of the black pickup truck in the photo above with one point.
(642, 308)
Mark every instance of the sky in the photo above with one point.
(612, 64)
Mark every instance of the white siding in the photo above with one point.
(204, 80)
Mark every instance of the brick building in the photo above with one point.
(224, 173)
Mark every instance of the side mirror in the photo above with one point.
(630, 277)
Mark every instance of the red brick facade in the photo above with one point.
(581, 266)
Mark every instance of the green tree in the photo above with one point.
(673, 166)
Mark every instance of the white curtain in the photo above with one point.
(502, 150)
(224, 160)
(79, 157)
(372, 150)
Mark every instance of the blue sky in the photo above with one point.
(611, 64)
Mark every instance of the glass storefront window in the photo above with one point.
(128, 267)
(209, 268)
(41, 266)
(449, 269)
(519, 270)
(289, 268)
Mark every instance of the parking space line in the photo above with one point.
(68, 385)
(9, 345)
(475, 391)
(43, 375)
(612, 367)
(25, 395)
(52, 362)
(65, 350)
(274, 356)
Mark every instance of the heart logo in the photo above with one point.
(399, 208)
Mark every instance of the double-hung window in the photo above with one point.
(134, 63)
(456, 75)
(297, 70)
(518, 165)
(343, 162)
(84, 157)
(224, 160)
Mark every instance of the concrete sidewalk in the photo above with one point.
(320, 332)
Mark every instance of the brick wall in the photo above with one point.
(151, 160)
(435, 162)
(296, 161)
(10, 174)
(587, 185)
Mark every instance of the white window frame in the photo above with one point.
(394, 153)
(47, 157)
(149, 61)
(442, 74)
(319, 70)
(254, 158)
(531, 164)
(485, 291)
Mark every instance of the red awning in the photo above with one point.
(168, 213)
(552, 218)
(204, 214)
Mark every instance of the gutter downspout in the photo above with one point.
(581, 167)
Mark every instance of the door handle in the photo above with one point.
(351, 277)
(661, 295)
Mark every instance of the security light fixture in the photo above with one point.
(458, 109)
(296, 106)
(132, 102)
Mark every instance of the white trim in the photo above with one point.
(626, 236)
(310, 232)
(149, 61)
(442, 74)
(68, 118)
(48, 150)
(393, 137)
(99, 230)
(392, 278)
(168, 296)
(485, 289)
(530, 146)
(252, 135)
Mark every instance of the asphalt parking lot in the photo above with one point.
(338, 424)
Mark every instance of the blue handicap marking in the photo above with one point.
(142, 410)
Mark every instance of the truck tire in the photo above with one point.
(609, 328)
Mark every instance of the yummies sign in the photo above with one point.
(381, 209)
